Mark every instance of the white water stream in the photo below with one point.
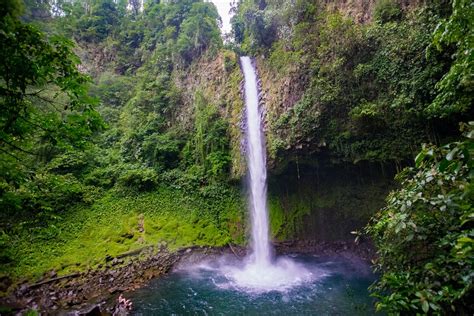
(257, 169)
(260, 271)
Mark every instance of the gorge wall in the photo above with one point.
(322, 186)
(326, 202)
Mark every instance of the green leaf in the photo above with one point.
(451, 154)
(419, 158)
(443, 165)
(425, 306)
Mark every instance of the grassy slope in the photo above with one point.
(86, 234)
(112, 225)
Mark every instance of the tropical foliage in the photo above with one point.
(68, 139)
(424, 235)
(375, 90)
(105, 122)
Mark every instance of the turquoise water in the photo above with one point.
(338, 287)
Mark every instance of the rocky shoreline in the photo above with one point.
(95, 292)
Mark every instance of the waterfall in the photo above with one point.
(259, 272)
(256, 161)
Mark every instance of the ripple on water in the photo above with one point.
(291, 286)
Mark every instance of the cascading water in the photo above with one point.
(227, 285)
(260, 272)
(257, 167)
(233, 286)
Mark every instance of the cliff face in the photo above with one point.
(219, 80)
(325, 202)
(280, 92)
(310, 198)
(314, 193)
(320, 99)
(361, 11)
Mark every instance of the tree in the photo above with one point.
(96, 20)
(456, 88)
(43, 96)
(199, 31)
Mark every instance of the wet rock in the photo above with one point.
(97, 284)
(72, 302)
(22, 289)
(5, 283)
(113, 290)
(94, 311)
(116, 261)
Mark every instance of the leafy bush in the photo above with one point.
(114, 90)
(50, 193)
(425, 235)
(142, 179)
(387, 11)
(188, 180)
(199, 31)
(104, 176)
(455, 89)
(161, 150)
(230, 61)
(74, 162)
(208, 149)
(100, 21)
(6, 253)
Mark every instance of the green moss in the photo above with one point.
(324, 203)
(286, 222)
(116, 224)
(277, 218)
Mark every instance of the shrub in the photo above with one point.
(387, 11)
(425, 235)
(143, 179)
(49, 193)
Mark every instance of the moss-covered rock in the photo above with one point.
(325, 202)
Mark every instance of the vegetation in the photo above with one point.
(374, 92)
(105, 163)
(83, 237)
(424, 235)
(120, 128)
(365, 91)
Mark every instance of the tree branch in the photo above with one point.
(11, 155)
(35, 124)
(17, 148)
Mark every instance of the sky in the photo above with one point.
(223, 7)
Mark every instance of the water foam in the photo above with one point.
(280, 276)
(246, 276)
(260, 273)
